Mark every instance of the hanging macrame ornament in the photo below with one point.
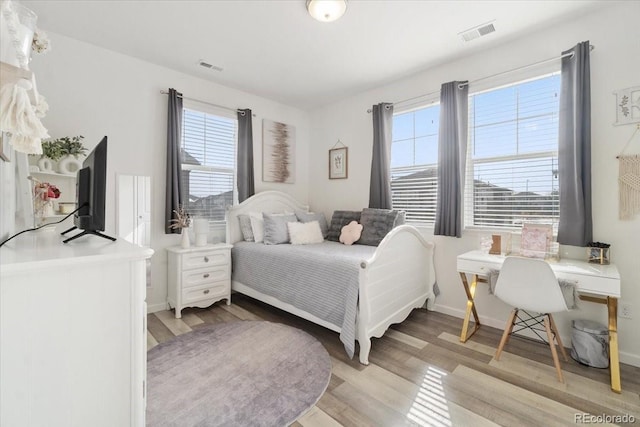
(19, 118)
(629, 183)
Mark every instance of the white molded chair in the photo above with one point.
(529, 285)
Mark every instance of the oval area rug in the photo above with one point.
(245, 373)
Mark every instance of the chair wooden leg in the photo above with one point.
(554, 329)
(507, 331)
(552, 345)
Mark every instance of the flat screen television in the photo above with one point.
(91, 193)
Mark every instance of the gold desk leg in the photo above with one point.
(614, 357)
(471, 308)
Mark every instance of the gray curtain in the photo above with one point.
(245, 178)
(380, 186)
(452, 152)
(574, 148)
(174, 136)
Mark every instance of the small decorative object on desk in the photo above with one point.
(496, 244)
(485, 244)
(536, 240)
(598, 252)
(182, 221)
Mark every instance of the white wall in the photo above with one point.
(614, 65)
(95, 92)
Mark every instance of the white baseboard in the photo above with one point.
(152, 308)
(628, 358)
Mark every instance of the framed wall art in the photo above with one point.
(339, 163)
(627, 105)
(278, 152)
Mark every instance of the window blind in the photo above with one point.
(414, 157)
(208, 163)
(512, 167)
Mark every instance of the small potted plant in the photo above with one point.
(52, 150)
(72, 146)
(65, 150)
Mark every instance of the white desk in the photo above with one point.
(595, 283)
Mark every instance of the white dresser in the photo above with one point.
(72, 332)
(198, 276)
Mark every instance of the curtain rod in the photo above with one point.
(235, 110)
(591, 47)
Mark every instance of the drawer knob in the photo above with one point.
(206, 291)
(206, 259)
(205, 275)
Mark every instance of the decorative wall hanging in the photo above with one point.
(278, 152)
(629, 181)
(627, 105)
(339, 161)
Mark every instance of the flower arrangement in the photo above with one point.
(45, 191)
(43, 195)
(182, 219)
(41, 42)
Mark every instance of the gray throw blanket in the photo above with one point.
(321, 279)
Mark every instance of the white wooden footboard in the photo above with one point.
(398, 278)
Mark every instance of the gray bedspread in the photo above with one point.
(321, 279)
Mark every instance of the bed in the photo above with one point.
(357, 291)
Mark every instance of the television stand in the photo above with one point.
(84, 233)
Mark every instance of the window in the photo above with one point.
(512, 167)
(414, 159)
(208, 163)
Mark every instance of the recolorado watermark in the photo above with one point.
(584, 418)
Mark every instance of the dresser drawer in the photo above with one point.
(212, 290)
(203, 276)
(205, 259)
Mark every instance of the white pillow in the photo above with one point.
(305, 233)
(257, 226)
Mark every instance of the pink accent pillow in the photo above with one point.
(350, 233)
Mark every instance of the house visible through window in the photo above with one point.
(208, 163)
(512, 167)
(414, 159)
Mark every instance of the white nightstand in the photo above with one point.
(198, 276)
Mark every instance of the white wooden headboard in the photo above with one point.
(266, 201)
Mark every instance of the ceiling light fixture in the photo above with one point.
(326, 10)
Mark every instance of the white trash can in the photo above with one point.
(590, 343)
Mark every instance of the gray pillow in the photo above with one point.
(245, 228)
(376, 224)
(275, 228)
(339, 220)
(311, 216)
(400, 219)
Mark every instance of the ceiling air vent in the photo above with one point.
(479, 31)
(212, 67)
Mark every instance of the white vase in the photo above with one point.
(69, 165)
(185, 243)
(45, 164)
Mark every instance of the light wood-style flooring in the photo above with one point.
(421, 375)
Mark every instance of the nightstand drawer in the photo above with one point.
(202, 293)
(205, 259)
(204, 275)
